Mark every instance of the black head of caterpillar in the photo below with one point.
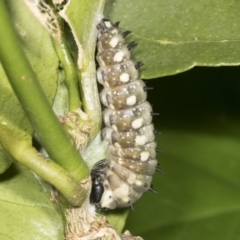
(122, 178)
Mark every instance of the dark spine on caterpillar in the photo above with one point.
(122, 178)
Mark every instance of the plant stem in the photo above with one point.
(18, 145)
(88, 74)
(71, 77)
(86, 36)
(35, 103)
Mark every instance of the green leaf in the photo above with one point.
(176, 35)
(117, 218)
(26, 208)
(5, 160)
(199, 192)
(38, 48)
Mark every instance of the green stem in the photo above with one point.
(35, 103)
(18, 145)
(88, 75)
(86, 62)
(91, 102)
(71, 77)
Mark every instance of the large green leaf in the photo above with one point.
(39, 50)
(199, 194)
(26, 209)
(176, 35)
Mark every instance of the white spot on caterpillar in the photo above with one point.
(131, 100)
(114, 127)
(137, 123)
(138, 183)
(131, 179)
(124, 77)
(116, 144)
(114, 42)
(108, 24)
(140, 140)
(144, 156)
(114, 31)
(118, 57)
(120, 162)
(111, 106)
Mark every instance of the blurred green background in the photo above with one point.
(199, 193)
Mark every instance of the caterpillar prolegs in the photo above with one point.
(122, 178)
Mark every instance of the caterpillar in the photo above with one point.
(126, 174)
